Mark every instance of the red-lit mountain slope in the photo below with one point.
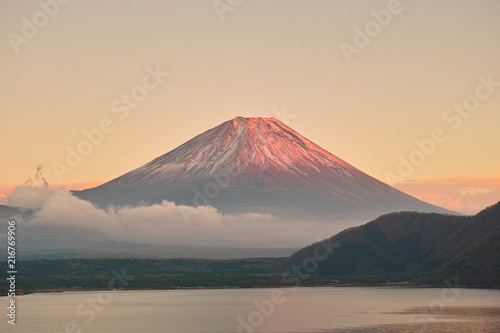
(257, 165)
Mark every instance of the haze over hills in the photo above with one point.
(257, 165)
(422, 247)
(408, 248)
(65, 240)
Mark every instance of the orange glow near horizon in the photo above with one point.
(466, 194)
(83, 186)
(69, 87)
(6, 189)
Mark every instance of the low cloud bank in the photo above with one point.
(164, 223)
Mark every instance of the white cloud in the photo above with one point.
(163, 223)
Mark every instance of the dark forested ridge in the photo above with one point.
(414, 248)
(425, 248)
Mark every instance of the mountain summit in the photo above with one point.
(257, 165)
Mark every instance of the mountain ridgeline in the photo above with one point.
(413, 248)
(257, 165)
(418, 247)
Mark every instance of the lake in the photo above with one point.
(279, 310)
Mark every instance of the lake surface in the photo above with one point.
(284, 310)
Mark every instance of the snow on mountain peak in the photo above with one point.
(266, 166)
(252, 147)
(249, 146)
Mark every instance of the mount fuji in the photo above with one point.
(257, 165)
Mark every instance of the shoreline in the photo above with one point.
(346, 285)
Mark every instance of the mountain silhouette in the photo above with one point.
(257, 165)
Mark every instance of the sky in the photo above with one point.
(407, 91)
